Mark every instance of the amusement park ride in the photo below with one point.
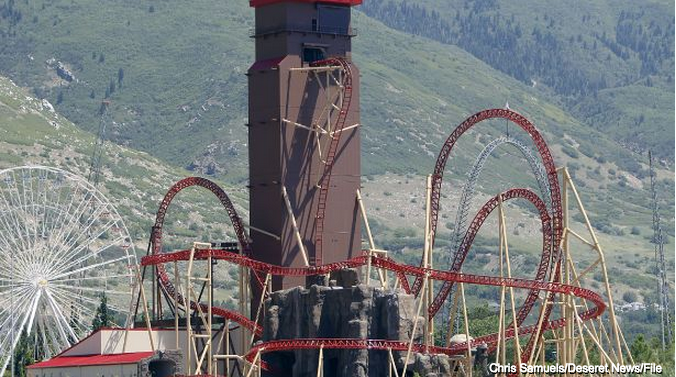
(306, 222)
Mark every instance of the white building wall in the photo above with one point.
(108, 342)
(120, 370)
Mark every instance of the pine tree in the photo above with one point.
(23, 355)
(642, 351)
(103, 316)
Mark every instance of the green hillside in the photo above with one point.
(175, 74)
(175, 71)
(31, 133)
(578, 53)
(182, 93)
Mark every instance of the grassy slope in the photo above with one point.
(179, 114)
(31, 134)
(183, 88)
(581, 30)
(418, 110)
(193, 55)
(133, 181)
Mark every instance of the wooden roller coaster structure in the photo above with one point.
(580, 332)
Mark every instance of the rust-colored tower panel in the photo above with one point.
(294, 113)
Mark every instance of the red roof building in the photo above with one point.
(115, 353)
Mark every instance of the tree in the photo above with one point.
(103, 317)
(23, 355)
(641, 350)
(629, 296)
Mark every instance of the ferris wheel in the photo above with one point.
(63, 246)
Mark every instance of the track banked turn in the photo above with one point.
(391, 265)
(552, 229)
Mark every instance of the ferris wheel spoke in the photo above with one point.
(66, 255)
(32, 201)
(23, 220)
(50, 343)
(92, 205)
(84, 306)
(14, 225)
(58, 318)
(87, 268)
(9, 317)
(63, 222)
(83, 231)
(6, 270)
(44, 202)
(10, 249)
(73, 263)
(64, 303)
(40, 330)
(82, 327)
(18, 331)
(10, 234)
(12, 303)
(89, 300)
(77, 301)
(92, 278)
(58, 343)
(52, 218)
(88, 289)
(55, 258)
(89, 312)
(33, 311)
(13, 294)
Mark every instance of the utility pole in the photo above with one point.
(95, 167)
(11, 289)
(663, 285)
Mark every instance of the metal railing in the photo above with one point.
(342, 31)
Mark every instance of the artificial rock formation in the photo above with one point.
(345, 309)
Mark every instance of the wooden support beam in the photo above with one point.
(296, 232)
(146, 313)
(320, 362)
(427, 295)
(568, 182)
(505, 246)
(372, 245)
(317, 129)
(392, 365)
(467, 336)
(415, 327)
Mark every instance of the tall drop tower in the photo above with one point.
(304, 136)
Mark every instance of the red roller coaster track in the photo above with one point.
(325, 180)
(391, 265)
(474, 227)
(555, 192)
(543, 150)
(552, 228)
(156, 242)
